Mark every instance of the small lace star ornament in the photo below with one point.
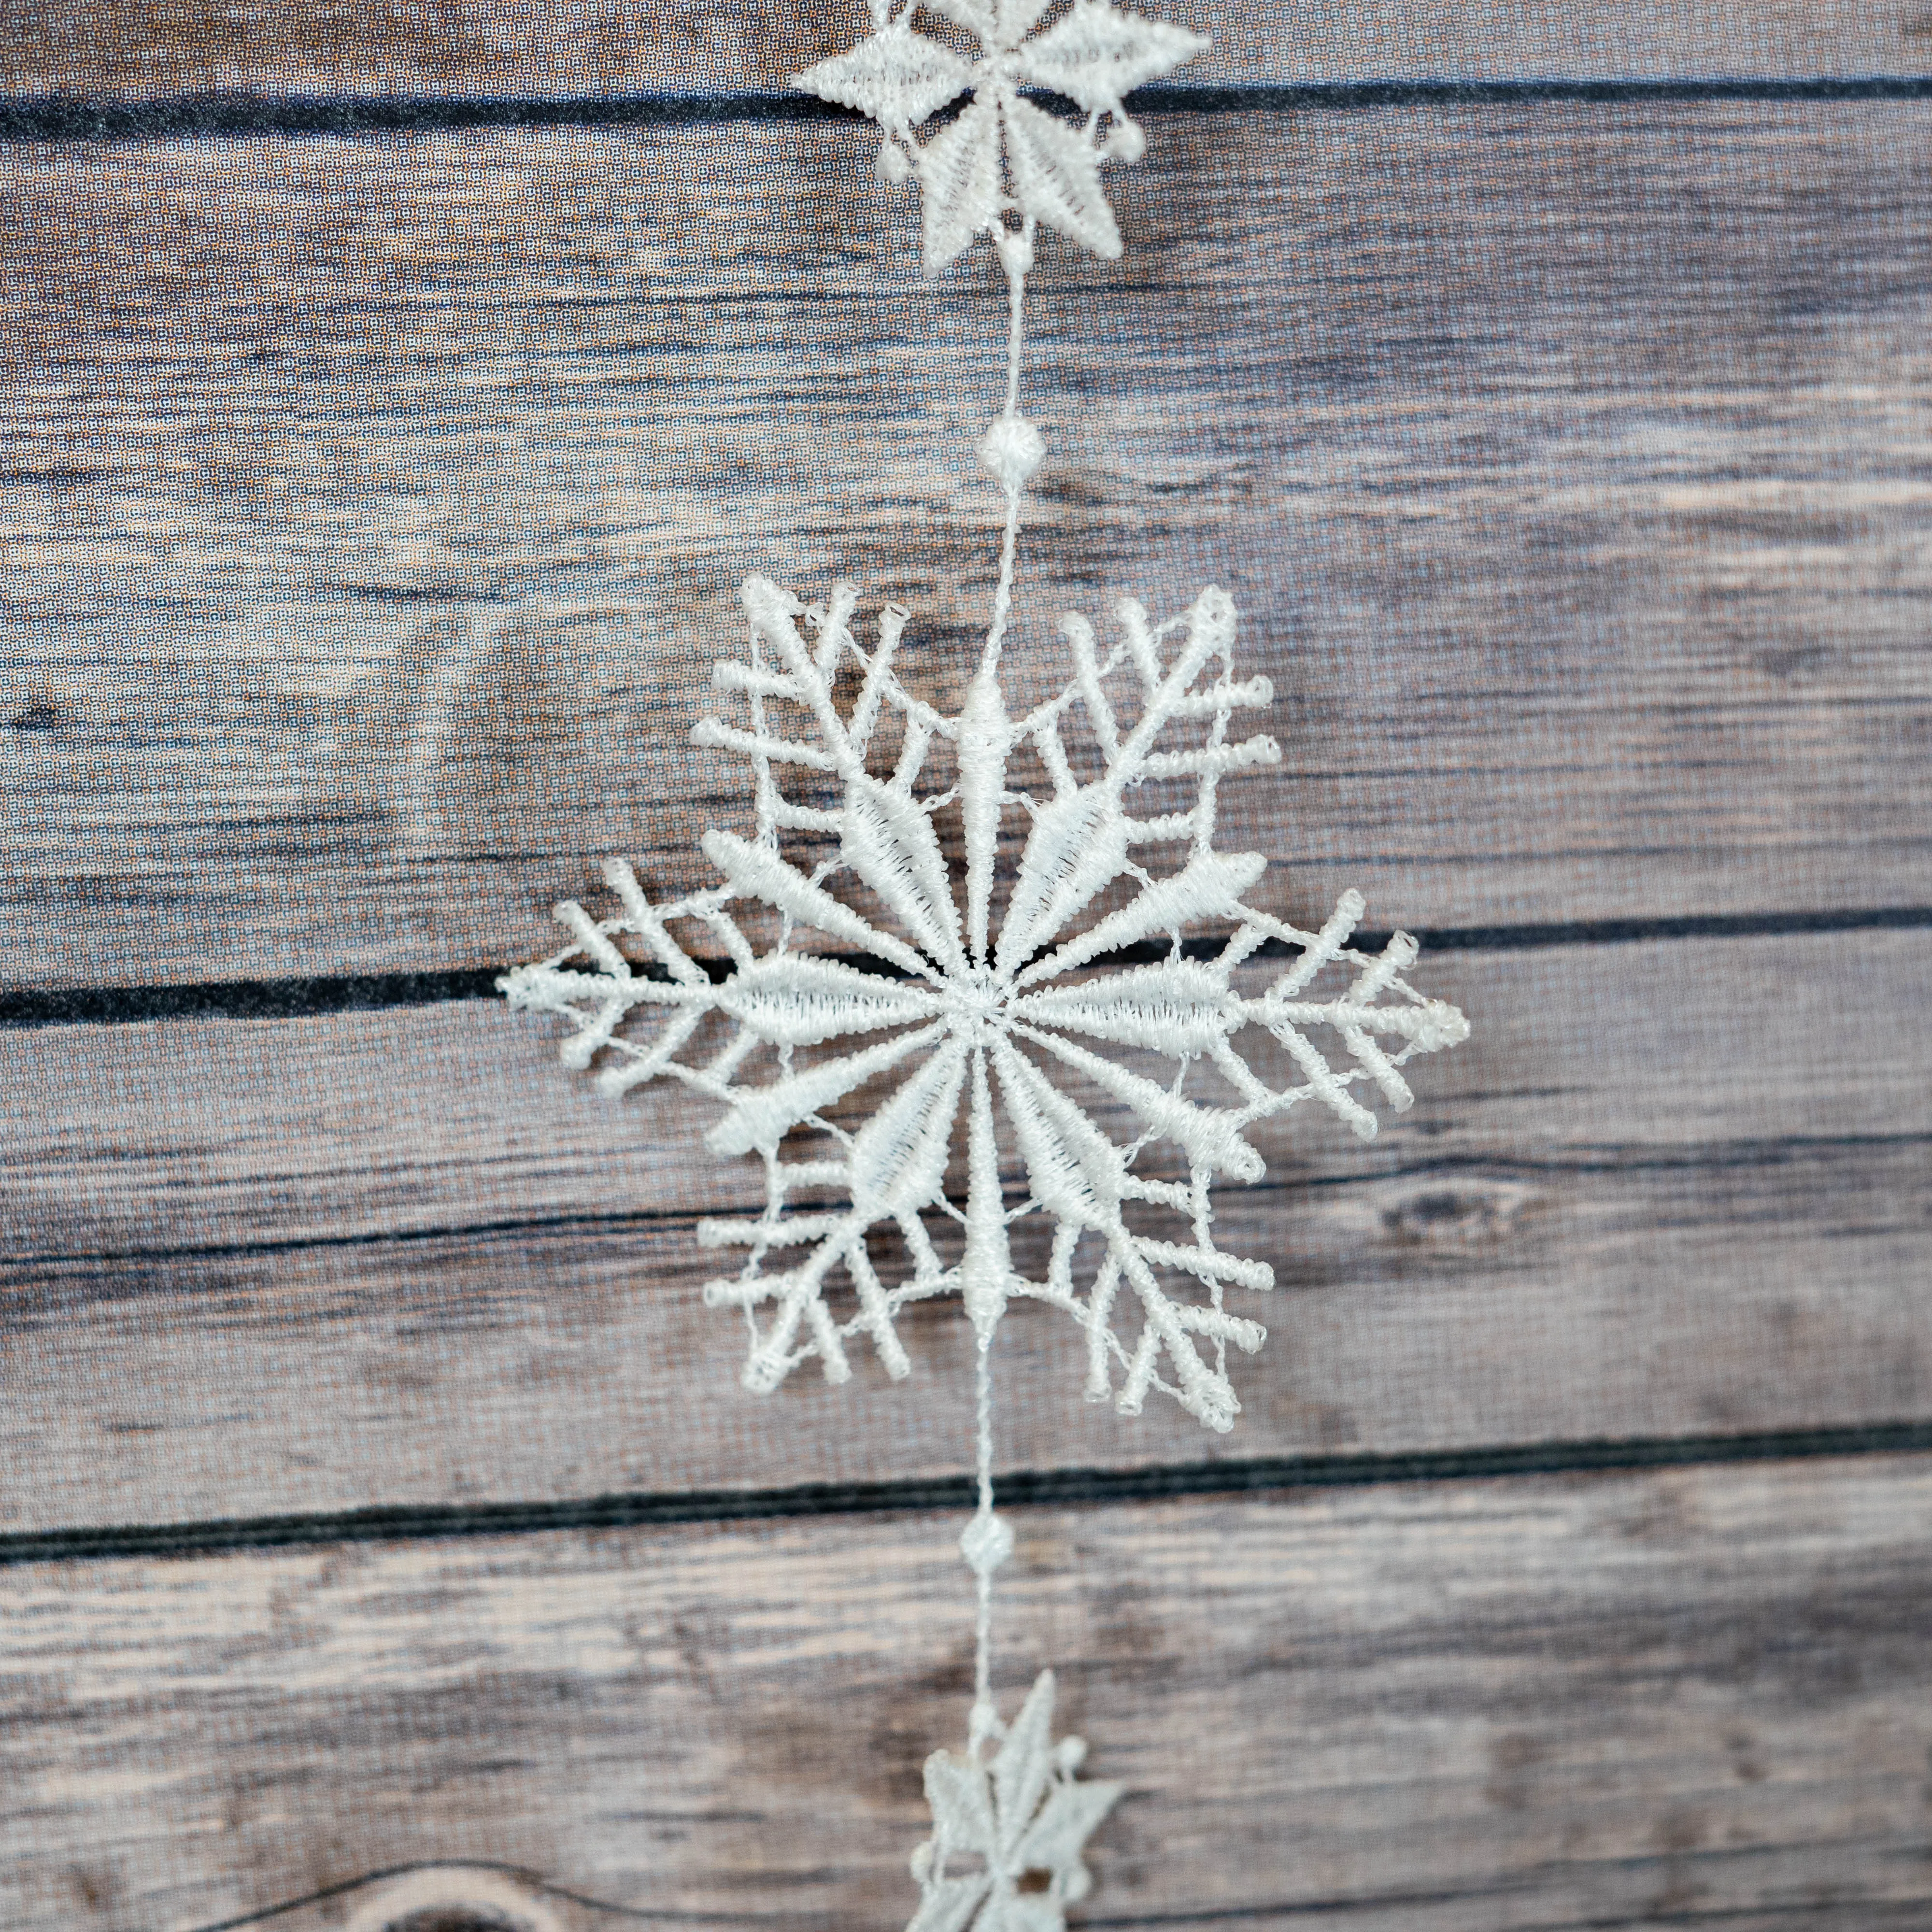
(1094, 57)
(1023, 1818)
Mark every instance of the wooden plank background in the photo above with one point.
(382, 46)
(370, 511)
(1584, 560)
(1684, 1698)
(1673, 1191)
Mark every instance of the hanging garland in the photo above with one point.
(843, 954)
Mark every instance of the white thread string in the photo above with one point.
(982, 1659)
(1013, 448)
(985, 1543)
(1016, 275)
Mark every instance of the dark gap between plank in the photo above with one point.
(284, 999)
(1017, 1489)
(216, 113)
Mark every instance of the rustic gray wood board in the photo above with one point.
(376, 46)
(264, 1267)
(1696, 1697)
(374, 508)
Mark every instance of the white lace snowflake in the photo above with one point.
(860, 961)
(1024, 1819)
(1094, 57)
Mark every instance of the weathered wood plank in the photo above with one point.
(374, 508)
(376, 46)
(256, 1267)
(1694, 1695)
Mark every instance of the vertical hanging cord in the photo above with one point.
(982, 1664)
(987, 1543)
(1016, 275)
(1016, 300)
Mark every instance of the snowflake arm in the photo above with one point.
(896, 77)
(1097, 55)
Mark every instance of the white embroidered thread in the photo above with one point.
(950, 1011)
(1094, 57)
(945, 1010)
(889, 992)
(1023, 1818)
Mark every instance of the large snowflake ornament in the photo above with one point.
(1094, 57)
(1018, 1824)
(880, 1008)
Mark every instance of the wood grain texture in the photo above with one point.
(1697, 1697)
(381, 47)
(257, 1267)
(374, 508)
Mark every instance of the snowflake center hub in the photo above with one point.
(976, 1006)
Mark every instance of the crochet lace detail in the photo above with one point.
(1018, 1824)
(885, 973)
(1094, 56)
